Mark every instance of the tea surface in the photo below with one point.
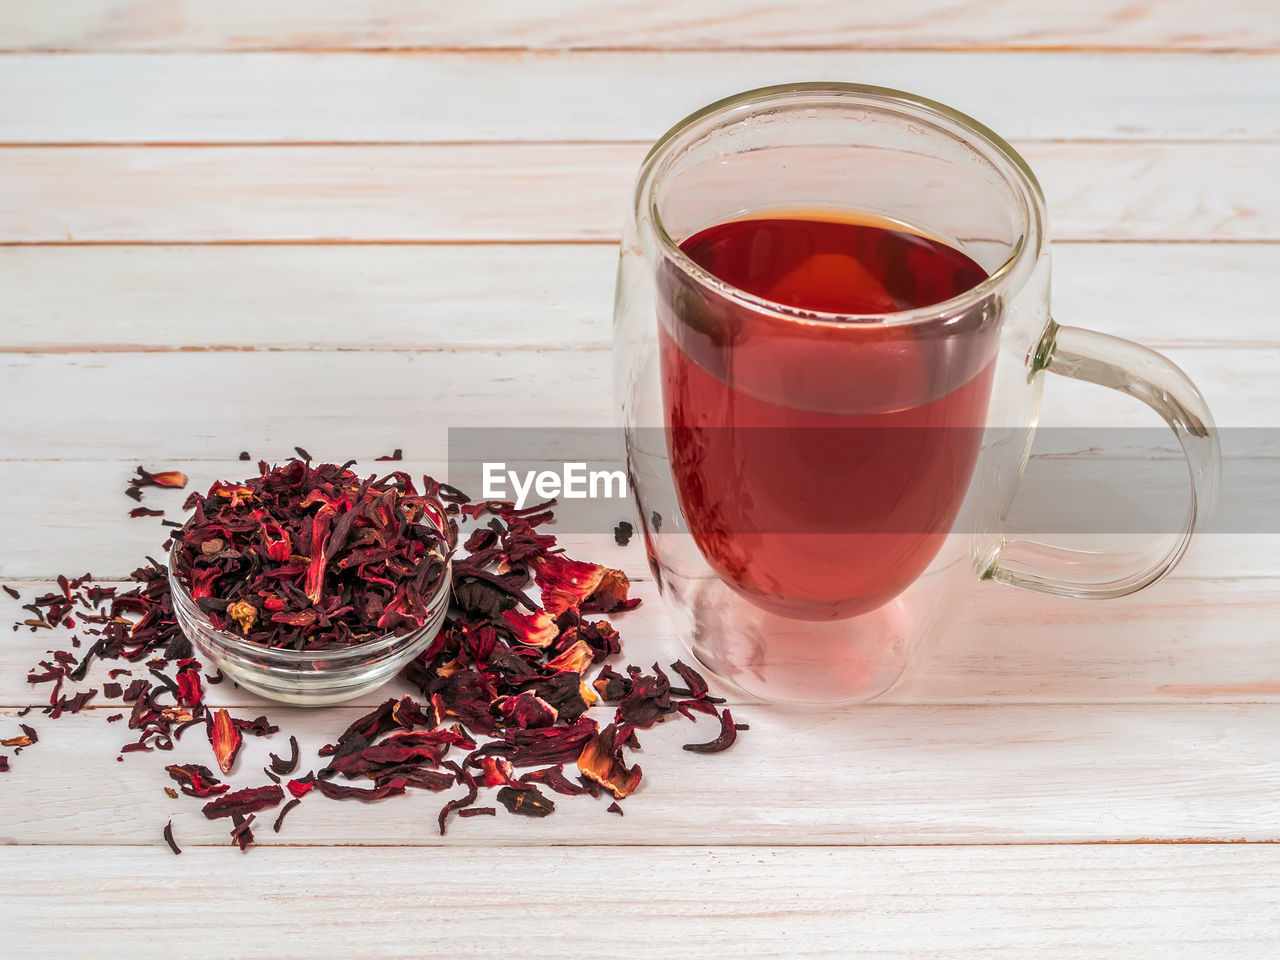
(820, 465)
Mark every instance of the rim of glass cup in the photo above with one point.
(990, 145)
(356, 652)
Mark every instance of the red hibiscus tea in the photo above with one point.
(821, 460)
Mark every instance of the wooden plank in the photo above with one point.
(1071, 903)
(627, 24)
(875, 775)
(335, 404)
(363, 297)
(201, 405)
(114, 98)
(411, 297)
(1185, 639)
(74, 517)
(559, 192)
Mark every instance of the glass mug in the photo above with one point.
(818, 492)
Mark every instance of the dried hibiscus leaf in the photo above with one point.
(526, 803)
(226, 739)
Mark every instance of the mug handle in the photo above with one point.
(1159, 383)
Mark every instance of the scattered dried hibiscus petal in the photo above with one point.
(286, 767)
(226, 739)
(248, 800)
(195, 780)
(168, 838)
(601, 761)
(241, 835)
(527, 803)
(728, 734)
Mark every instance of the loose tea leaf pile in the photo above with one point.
(505, 685)
(311, 558)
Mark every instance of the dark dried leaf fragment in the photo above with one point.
(168, 838)
(527, 803)
(283, 811)
(728, 735)
(248, 800)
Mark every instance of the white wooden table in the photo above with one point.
(348, 224)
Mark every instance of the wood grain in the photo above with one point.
(209, 98)
(872, 775)
(558, 192)
(1073, 903)
(209, 405)
(74, 517)
(627, 24)
(1184, 640)
(414, 297)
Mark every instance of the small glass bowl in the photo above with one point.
(308, 678)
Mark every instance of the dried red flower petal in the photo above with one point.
(497, 771)
(241, 835)
(286, 767)
(168, 838)
(565, 583)
(335, 791)
(300, 788)
(695, 685)
(163, 478)
(190, 692)
(527, 803)
(283, 813)
(615, 808)
(473, 793)
(526, 710)
(145, 512)
(248, 800)
(537, 629)
(610, 593)
(226, 739)
(728, 735)
(601, 761)
(576, 659)
(195, 780)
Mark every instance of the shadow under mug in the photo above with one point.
(769, 447)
